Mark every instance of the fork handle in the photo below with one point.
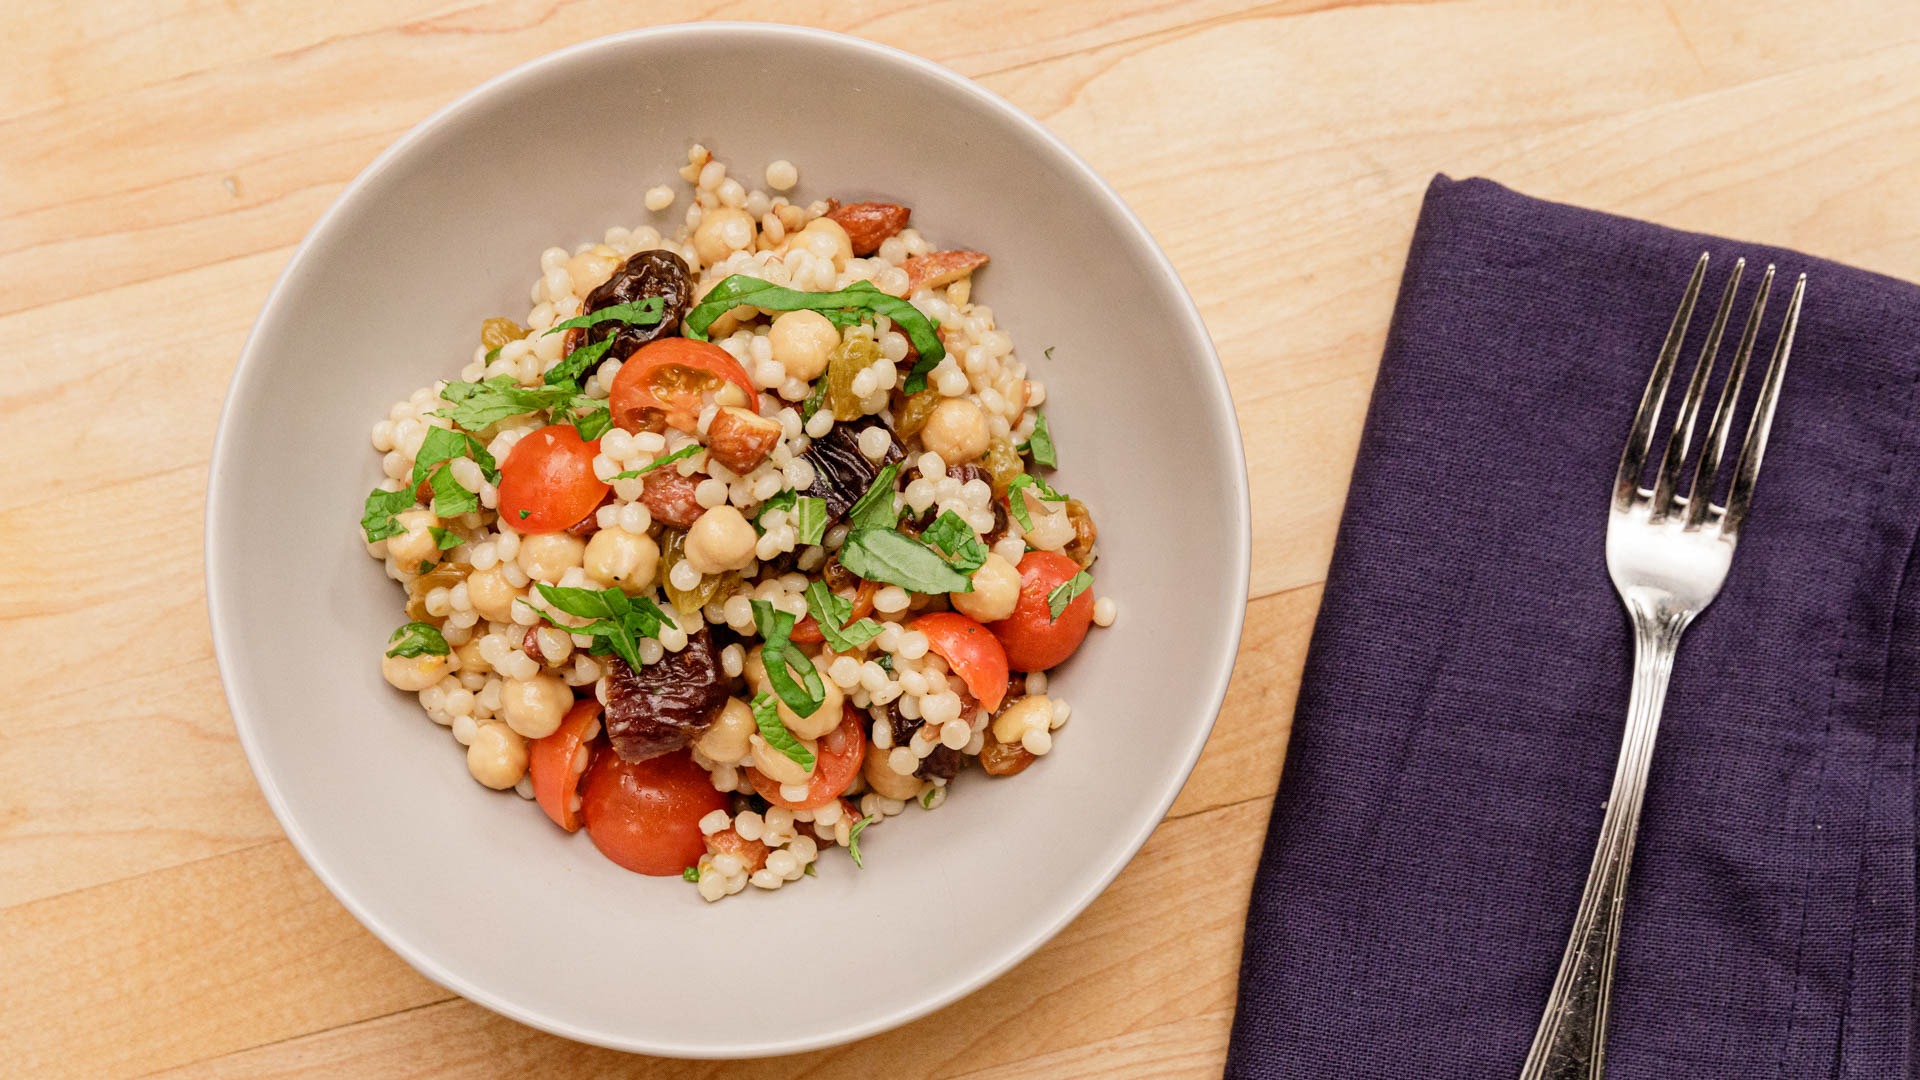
(1571, 1041)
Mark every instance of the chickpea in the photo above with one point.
(719, 541)
(824, 237)
(887, 783)
(416, 545)
(721, 232)
(468, 653)
(1031, 713)
(415, 673)
(957, 431)
(591, 268)
(777, 766)
(533, 707)
(814, 724)
(618, 557)
(491, 595)
(802, 341)
(726, 740)
(546, 556)
(497, 757)
(996, 590)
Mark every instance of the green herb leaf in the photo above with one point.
(638, 313)
(885, 662)
(1040, 443)
(885, 555)
(418, 639)
(376, 522)
(926, 797)
(442, 445)
(1065, 592)
(475, 406)
(875, 509)
(493, 354)
(691, 873)
(951, 534)
(618, 619)
(575, 365)
(1048, 351)
(815, 398)
(812, 870)
(591, 417)
(445, 539)
(809, 519)
(832, 612)
(681, 454)
(784, 663)
(1018, 506)
(853, 838)
(450, 500)
(524, 514)
(766, 715)
(861, 296)
(781, 500)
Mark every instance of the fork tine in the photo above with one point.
(1667, 480)
(1741, 496)
(1640, 437)
(1700, 495)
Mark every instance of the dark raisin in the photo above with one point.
(648, 273)
(841, 473)
(666, 704)
(903, 728)
(943, 763)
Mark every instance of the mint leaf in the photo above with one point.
(1040, 443)
(681, 454)
(853, 838)
(618, 619)
(376, 522)
(591, 417)
(475, 406)
(815, 398)
(418, 639)
(832, 613)
(860, 297)
(781, 500)
(784, 662)
(951, 534)
(1018, 506)
(875, 509)
(450, 500)
(885, 555)
(926, 797)
(766, 715)
(810, 519)
(638, 313)
(445, 539)
(574, 366)
(1065, 593)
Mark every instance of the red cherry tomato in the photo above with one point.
(645, 815)
(550, 760)
(547, 482)
(840, 753)
(971, 651)
(807, 630)
(666, 378)
(1034, 640)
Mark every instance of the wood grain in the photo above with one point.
(159, 159)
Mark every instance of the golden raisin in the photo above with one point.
(1080, 548)
(914, 413)
(497, 332)
(1004, 759)
(1002, 463)
(711, 587)
(850, 358)
(444, 576)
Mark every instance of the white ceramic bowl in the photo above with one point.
(476, 889)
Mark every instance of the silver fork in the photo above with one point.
(1668, 556)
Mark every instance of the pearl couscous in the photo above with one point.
(740, 542)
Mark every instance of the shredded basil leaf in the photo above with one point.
(926, 797)
(809, 519)
(618, 619)
(638, 313)
(591, 417)
(376, 522)
(784, 662)
(691, 873)
(951, 534)
(574, 366)
(445, 539)
(766, 716)
(832, 613)
(450, 500)
(853, 838)
(681, 454)
(1018, 506)
(875, 509)
(442, 445)
(885, 555)
(418, 639)
(475, 406)
(425, 565)
(1040, 443)
(1065, 592)
(885, 662)
(860, 296)
(493, 353)
(815, 398)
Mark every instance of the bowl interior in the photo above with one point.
(477, 889)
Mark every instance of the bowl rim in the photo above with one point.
(1212, 383)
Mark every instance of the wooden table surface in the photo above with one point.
(160, 159)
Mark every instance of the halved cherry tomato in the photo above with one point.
(550, 760)
(807, 630)
(971, 651)
(840, 753)
(645, 815)
(667, 377)
(547, 482)
(1034, 640)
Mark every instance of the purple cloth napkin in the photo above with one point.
(1464, 696)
